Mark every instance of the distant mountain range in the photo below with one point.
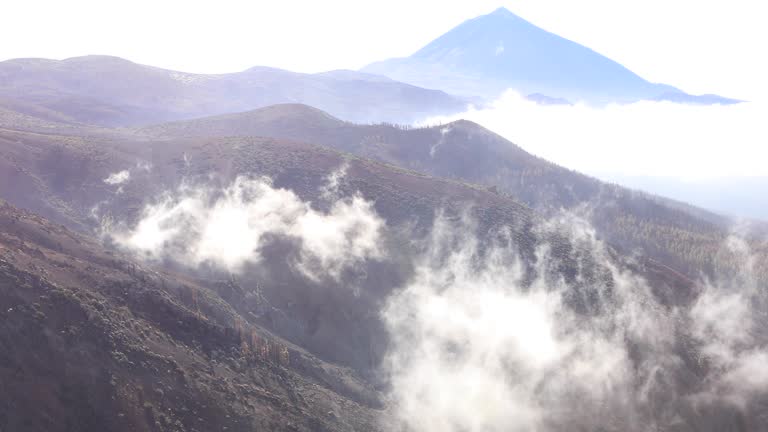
(111, 91)
(473, 63)
(492, 53)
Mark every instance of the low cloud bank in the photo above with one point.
(228, 228)
(644, 138)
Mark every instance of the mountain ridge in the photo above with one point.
(111, 91)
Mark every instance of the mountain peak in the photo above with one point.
(502, 12)
(488, 54)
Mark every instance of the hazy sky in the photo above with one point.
(697, 45)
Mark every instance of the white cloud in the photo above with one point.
(347, 234)
(643, 138)
(228, 228)
(480, 342)
(144, 166)
(433, 147)
(475, 348)
(118, 177)
(330, 190)
(727, 318)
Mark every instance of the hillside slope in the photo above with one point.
(141, 340)
(94, 341)
(683, 236)
(63, 179)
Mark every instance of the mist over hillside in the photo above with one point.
(347, 251)
(338, 293)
